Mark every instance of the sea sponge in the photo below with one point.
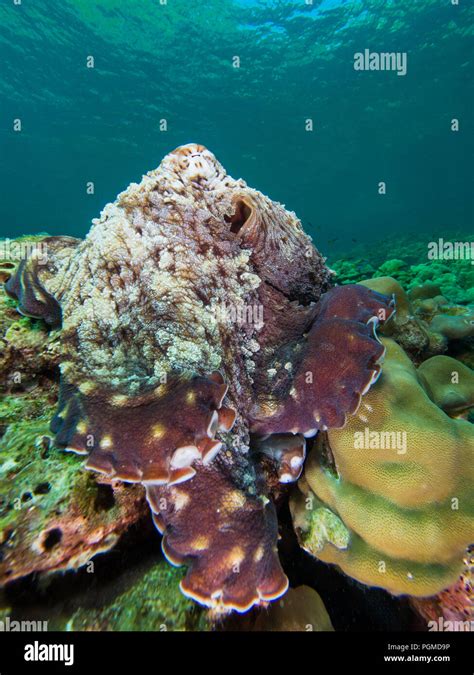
(401, 484)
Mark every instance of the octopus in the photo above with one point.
(202, 336)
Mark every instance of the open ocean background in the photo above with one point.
(174, 62)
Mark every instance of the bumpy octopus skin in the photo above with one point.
(198, 333)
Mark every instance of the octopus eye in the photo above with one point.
(241, 215)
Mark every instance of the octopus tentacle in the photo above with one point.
(317, 385)
(229, 541)
(287, 451)
(28, 283)
(152, 437)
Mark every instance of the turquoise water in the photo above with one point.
(175, 62)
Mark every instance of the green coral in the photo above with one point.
(317, 524)
(392, 268)
(455, 278)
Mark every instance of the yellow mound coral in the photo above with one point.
(401, 488)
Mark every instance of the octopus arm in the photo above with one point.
(325, 377)
(226, 534)
(287, 453)
(152, 437)
(29, 284)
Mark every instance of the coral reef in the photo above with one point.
(63, 521)
(139, 595)
(146, 599)
(300, 609)
(397, 480)
(453, 278)
(161, 386)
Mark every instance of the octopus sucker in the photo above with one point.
(200, 337)
(287, 451)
